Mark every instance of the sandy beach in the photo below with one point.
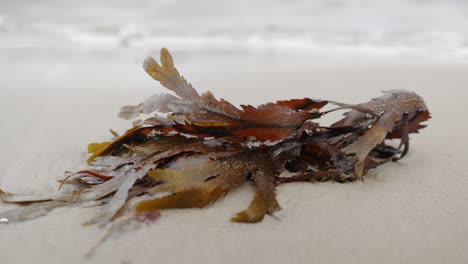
(413, 211)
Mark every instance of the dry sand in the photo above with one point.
(413, 211)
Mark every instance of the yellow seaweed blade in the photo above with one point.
(186, 176)
(257, 210)
(99, 149)
(190, 198)
(166, 59)
(208, 124)
(162, 174)
(178, 180)
(263, 203)
(115, 134)
(96, 149)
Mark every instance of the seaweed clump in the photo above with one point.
(197, 148)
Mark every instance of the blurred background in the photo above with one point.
(428, 31)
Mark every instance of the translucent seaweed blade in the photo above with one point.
(30, 212)
(117, 201)
(158, 102)
(21, 198)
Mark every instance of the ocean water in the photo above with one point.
(89, 30)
